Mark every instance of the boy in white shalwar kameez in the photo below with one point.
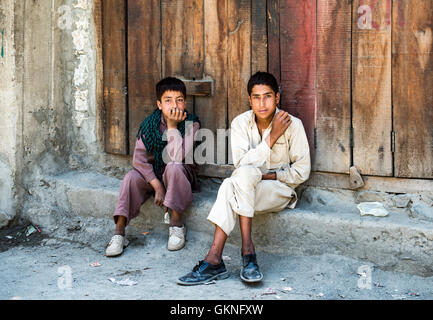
(271, 158)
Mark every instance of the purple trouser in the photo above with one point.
(180, 180)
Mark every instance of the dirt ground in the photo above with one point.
(37, 267)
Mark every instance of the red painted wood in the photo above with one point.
(298, 61)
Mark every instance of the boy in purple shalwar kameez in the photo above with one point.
(162, 166)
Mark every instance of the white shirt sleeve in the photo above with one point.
(299, 153)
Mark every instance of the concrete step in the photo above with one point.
(324, 222)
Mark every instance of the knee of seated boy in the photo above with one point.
(174, 168)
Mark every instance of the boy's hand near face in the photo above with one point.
(176, 115)
(281, 122)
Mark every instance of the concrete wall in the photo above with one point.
(51, 112)
(10, 89)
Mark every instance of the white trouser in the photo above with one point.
(245, 193)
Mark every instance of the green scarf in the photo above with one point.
(152, 138)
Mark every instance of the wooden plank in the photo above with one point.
(212, 111)
(374, 183)
(371, 87)
(273, 27)
(412, 87)
(182, 41)
(333, 120)
(99, 71)
(144, 61)
(114, 57)
(298, 62)
(200, 88)
(259, 39)
(172, 37)
(239, 56)
(338, 180)
(193, 40)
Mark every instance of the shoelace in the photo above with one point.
(112, 240)
(176, 232)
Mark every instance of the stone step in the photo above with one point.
(324, 222)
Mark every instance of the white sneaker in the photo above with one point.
(176, 238)
(116, 245)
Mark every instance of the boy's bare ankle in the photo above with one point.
(176, 224)
(119, 232)
(213, 259)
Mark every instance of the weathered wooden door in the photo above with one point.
(374, 80)
(358, 73)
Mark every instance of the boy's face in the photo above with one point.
(171, 100)
(263, 101)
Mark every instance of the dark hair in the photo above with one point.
(262, 78)
(169, 84)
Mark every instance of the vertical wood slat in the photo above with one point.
(333, 120)
(193, 40)
(144, 61)
(114, 57)
(412, 63)
(371, 87)
(173, 31)
(182, 41)
(273, 34)
(259, 40)
(298, 62)
(172, 37)
(212, 110)
(239, 56)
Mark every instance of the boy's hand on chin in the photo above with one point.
(175, 116)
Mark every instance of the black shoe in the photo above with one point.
(204, 272)
(250, 271)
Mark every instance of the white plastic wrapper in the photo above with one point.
(372, 209)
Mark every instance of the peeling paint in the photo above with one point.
(81, 102)
(80, 39)
(82, 71)
(81, 42)
(82, 4)
(79, 117)
(82, 21)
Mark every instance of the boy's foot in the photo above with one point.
(176, 238)
(250, 271)
(204, 272)
(116, 245)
